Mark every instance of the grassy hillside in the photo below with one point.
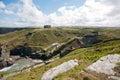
(39, 39)
(42, 38)
(85, 55)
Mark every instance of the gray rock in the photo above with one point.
(105, 65)
(50, 74)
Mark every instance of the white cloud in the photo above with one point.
(91, 13)
(8, 12)
(8, 9)
(30, 13)
(2, 5)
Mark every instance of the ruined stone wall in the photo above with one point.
(5, 52)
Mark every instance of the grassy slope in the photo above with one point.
(40, 39)
(86, 55)
(44, 37)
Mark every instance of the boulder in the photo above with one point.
(106, 65)
(4, 63)
(50, 74)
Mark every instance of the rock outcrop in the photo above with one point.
(4, 63)
(49, 75)
(21, 51)
(106, 65)
(5, 59)
(78, 42)
(90, 39)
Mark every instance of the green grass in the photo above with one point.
(44, 37)
(40, 39)
(118, 63)
(85, 55)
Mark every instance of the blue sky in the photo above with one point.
(19, 13)
(49, 6)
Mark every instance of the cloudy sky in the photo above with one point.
(21, 13)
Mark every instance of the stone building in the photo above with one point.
(47, 26)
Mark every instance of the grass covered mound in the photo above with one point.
(41, 38)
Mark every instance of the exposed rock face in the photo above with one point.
(79, 42)
(75, 43)
(21, 51)
(5, 60)
(90, 39)
(4, 63)
(49, 75)
(5, 52)
(106, 65)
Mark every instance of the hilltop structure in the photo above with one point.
(47, 26)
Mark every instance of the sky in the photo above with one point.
(22, 13)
